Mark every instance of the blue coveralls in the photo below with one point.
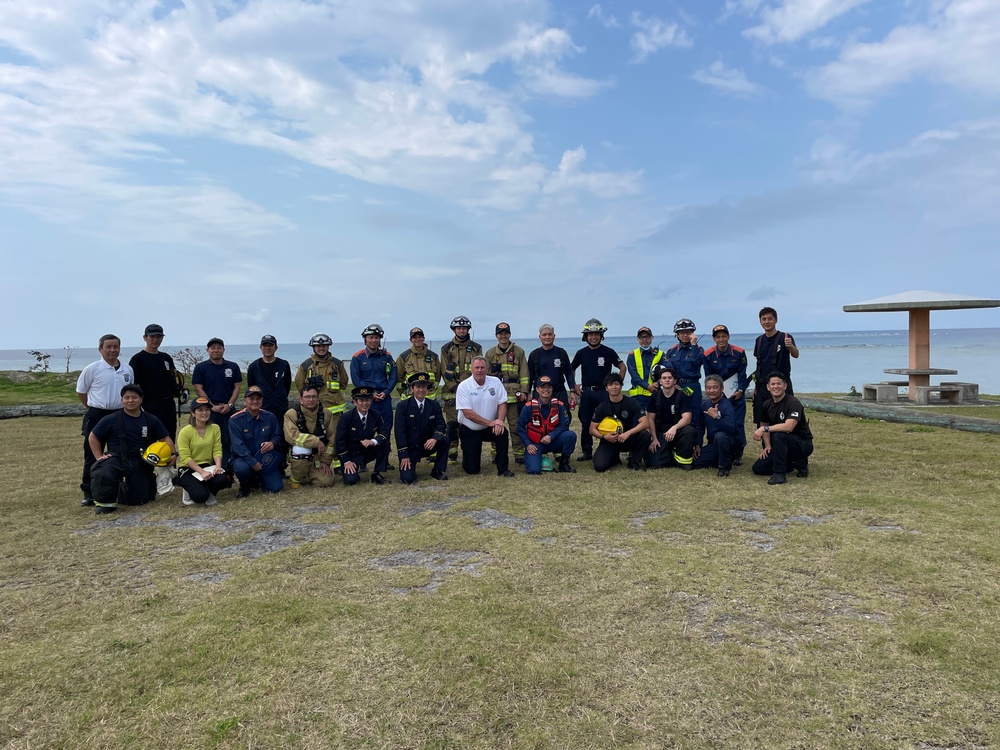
(378, 371)
(246, 435)
(722, 436)
(687, 359)
(726, 364)
(563, 438)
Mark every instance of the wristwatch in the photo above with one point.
(767, 428)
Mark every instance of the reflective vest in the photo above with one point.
(510, 363)
(412, 363)
(329, 371)
(637, 355)
(539, 427)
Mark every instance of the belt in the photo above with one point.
(593, 387)
(303, 458)
(687, 380)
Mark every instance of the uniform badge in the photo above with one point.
(166, 365)
(600, 361)
(145, 431)
(624, 413)
(781, 416)
(794, 415)
(229, 372)
(492, 391)
(557, 363)
(127, 378)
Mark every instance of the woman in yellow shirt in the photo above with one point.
(199, 446)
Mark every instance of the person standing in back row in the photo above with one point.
(156, 374)
(273, 375)
(596, 361)
(218, 380)
(773, 351)
(99, 390)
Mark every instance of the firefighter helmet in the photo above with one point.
(684, 324)
(158, 454)
(610, 426)
(461, 322)
(320, 339)
(594, 326)
(373, 329)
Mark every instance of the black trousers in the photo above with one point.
(787, 451)
(679, 452)
(472, 448)
(609, 454)
(108, 474)
(90, 420)
(377, 453)
(589, 399)
(164, 409)
(199, 490)
(440, 455)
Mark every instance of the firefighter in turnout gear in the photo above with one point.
(307, 430)
(329, 375)
(456, 359)
(418, 358)
(508, 362)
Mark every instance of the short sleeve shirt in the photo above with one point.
(595, 364)
(218, 380)
(627, 411)
(788, 408)
(667, 410)
(483, 399)
(140, 433)
(103, 384)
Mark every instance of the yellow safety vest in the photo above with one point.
(637, 355)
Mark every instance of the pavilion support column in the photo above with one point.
(920, 347)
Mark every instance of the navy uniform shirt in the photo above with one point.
(217, 380)
(595, 365)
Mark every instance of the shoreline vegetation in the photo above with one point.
(644, 610)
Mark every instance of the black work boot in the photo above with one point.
(585, 456)
(564, 466)
(803, 467)
(777, 479)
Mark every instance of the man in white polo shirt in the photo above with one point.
(481, 402)
(99, 388)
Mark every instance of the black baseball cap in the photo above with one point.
(502, 327)
(153, 328)
(268, 339)
(720, 328)
(643, 330)
(215, 340)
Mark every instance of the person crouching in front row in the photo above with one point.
(363, 437)
(200, 447)
(544, 428)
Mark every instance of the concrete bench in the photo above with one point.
(951, 393)
(886, 392)
(970, 391)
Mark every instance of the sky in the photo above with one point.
(233, 168)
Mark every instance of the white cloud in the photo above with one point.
(570, 177)
(727, 80)
(654, 34)
(958, 46)
(608, 21)
(791, 20)
(378, 90)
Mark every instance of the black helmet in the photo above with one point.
(593, 326)
(373, 329)
(320, 339)
(684, 324)
(461, 322)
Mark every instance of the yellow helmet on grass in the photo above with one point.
(158, 454)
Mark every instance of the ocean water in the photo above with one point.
(830, 361)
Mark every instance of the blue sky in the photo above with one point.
(235, 168)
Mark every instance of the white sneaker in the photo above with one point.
(211, 500)
(186, 498)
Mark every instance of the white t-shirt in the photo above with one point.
(103, 384)
(483, 399)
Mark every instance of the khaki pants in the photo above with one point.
(308, 471)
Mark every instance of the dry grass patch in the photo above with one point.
(634, 610)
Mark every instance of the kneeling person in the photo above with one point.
(255, 440)
(481, 402)
(308, 431)
(544, 428)
(629, 431)
(719, 425)
(668, 418)
(421, 431)
(362, 437)
(200, 447)
(784, 432)
(125, 435)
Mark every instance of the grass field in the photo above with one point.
(855, 609)
(24, 388)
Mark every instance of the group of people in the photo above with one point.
(520, 403)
